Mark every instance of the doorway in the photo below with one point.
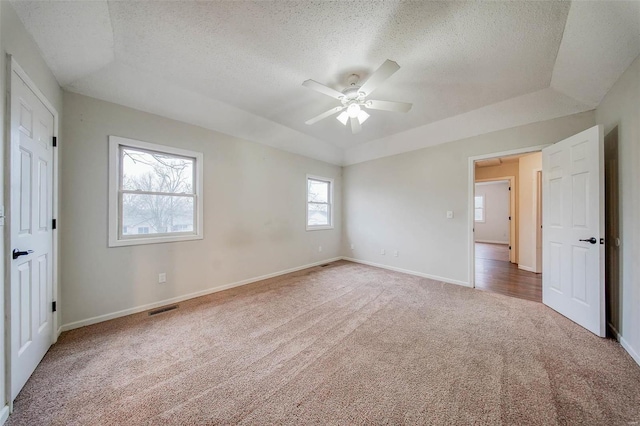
(506, 225)
(573, 228)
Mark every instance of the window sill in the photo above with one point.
(319, 228)
(152, 240)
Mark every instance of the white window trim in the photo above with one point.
(483, 208)
(306, 206)
(114, 182)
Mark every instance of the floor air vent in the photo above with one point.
(163, 309)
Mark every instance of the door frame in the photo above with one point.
(470, 203)
(13, 66)
(537, 215)
(512, 210)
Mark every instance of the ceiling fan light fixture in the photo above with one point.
(362, 116)
(343, 117)
(353, 98)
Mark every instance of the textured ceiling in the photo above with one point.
(238, 67)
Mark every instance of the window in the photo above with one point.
(319, 203)
(155, 193)
(479, 208)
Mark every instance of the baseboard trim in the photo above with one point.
(142, 308)
(526, 268)
(492, 242)
(627, 347)
(4, 414)
(407, 271)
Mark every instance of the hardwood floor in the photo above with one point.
(495, 273)
(492, 251)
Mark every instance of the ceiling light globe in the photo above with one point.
(343, 117)
(353, 110)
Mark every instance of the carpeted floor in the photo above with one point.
(343, 344)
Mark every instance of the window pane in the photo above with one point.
(156, 214)
(318, 191)
(478, 214)
(479, 202)
(156, 172)
(318, 215)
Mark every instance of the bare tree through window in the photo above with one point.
(157, 191)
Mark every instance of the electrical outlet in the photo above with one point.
(319, 248)
(162, 277)
(449, 214)
(395, 253)
(382, 252)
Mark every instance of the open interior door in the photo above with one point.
(573, 217)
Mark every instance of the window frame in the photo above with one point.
(483, 220)
(329, 203)
(116, 239)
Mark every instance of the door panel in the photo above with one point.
(30, 213)
(25, 191)
(24, 313)
(573, 210)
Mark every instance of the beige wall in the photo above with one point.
(621, 108)
(254, 214)
(15, 40)
(400, 202)
(527, 165)
(502, 170)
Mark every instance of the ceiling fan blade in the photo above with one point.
(312, 84)
(324, 115)
(355, 125)
(385, 71)
(388, 106)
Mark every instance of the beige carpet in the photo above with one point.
(344, 344)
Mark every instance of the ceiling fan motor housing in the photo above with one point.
(352, 92)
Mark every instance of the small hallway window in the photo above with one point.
(479, 208)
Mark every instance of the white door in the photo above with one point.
(573, 220)
(31, 235)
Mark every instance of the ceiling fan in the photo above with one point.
(353, 98)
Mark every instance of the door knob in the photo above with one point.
(17, 253)
(591, 240)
